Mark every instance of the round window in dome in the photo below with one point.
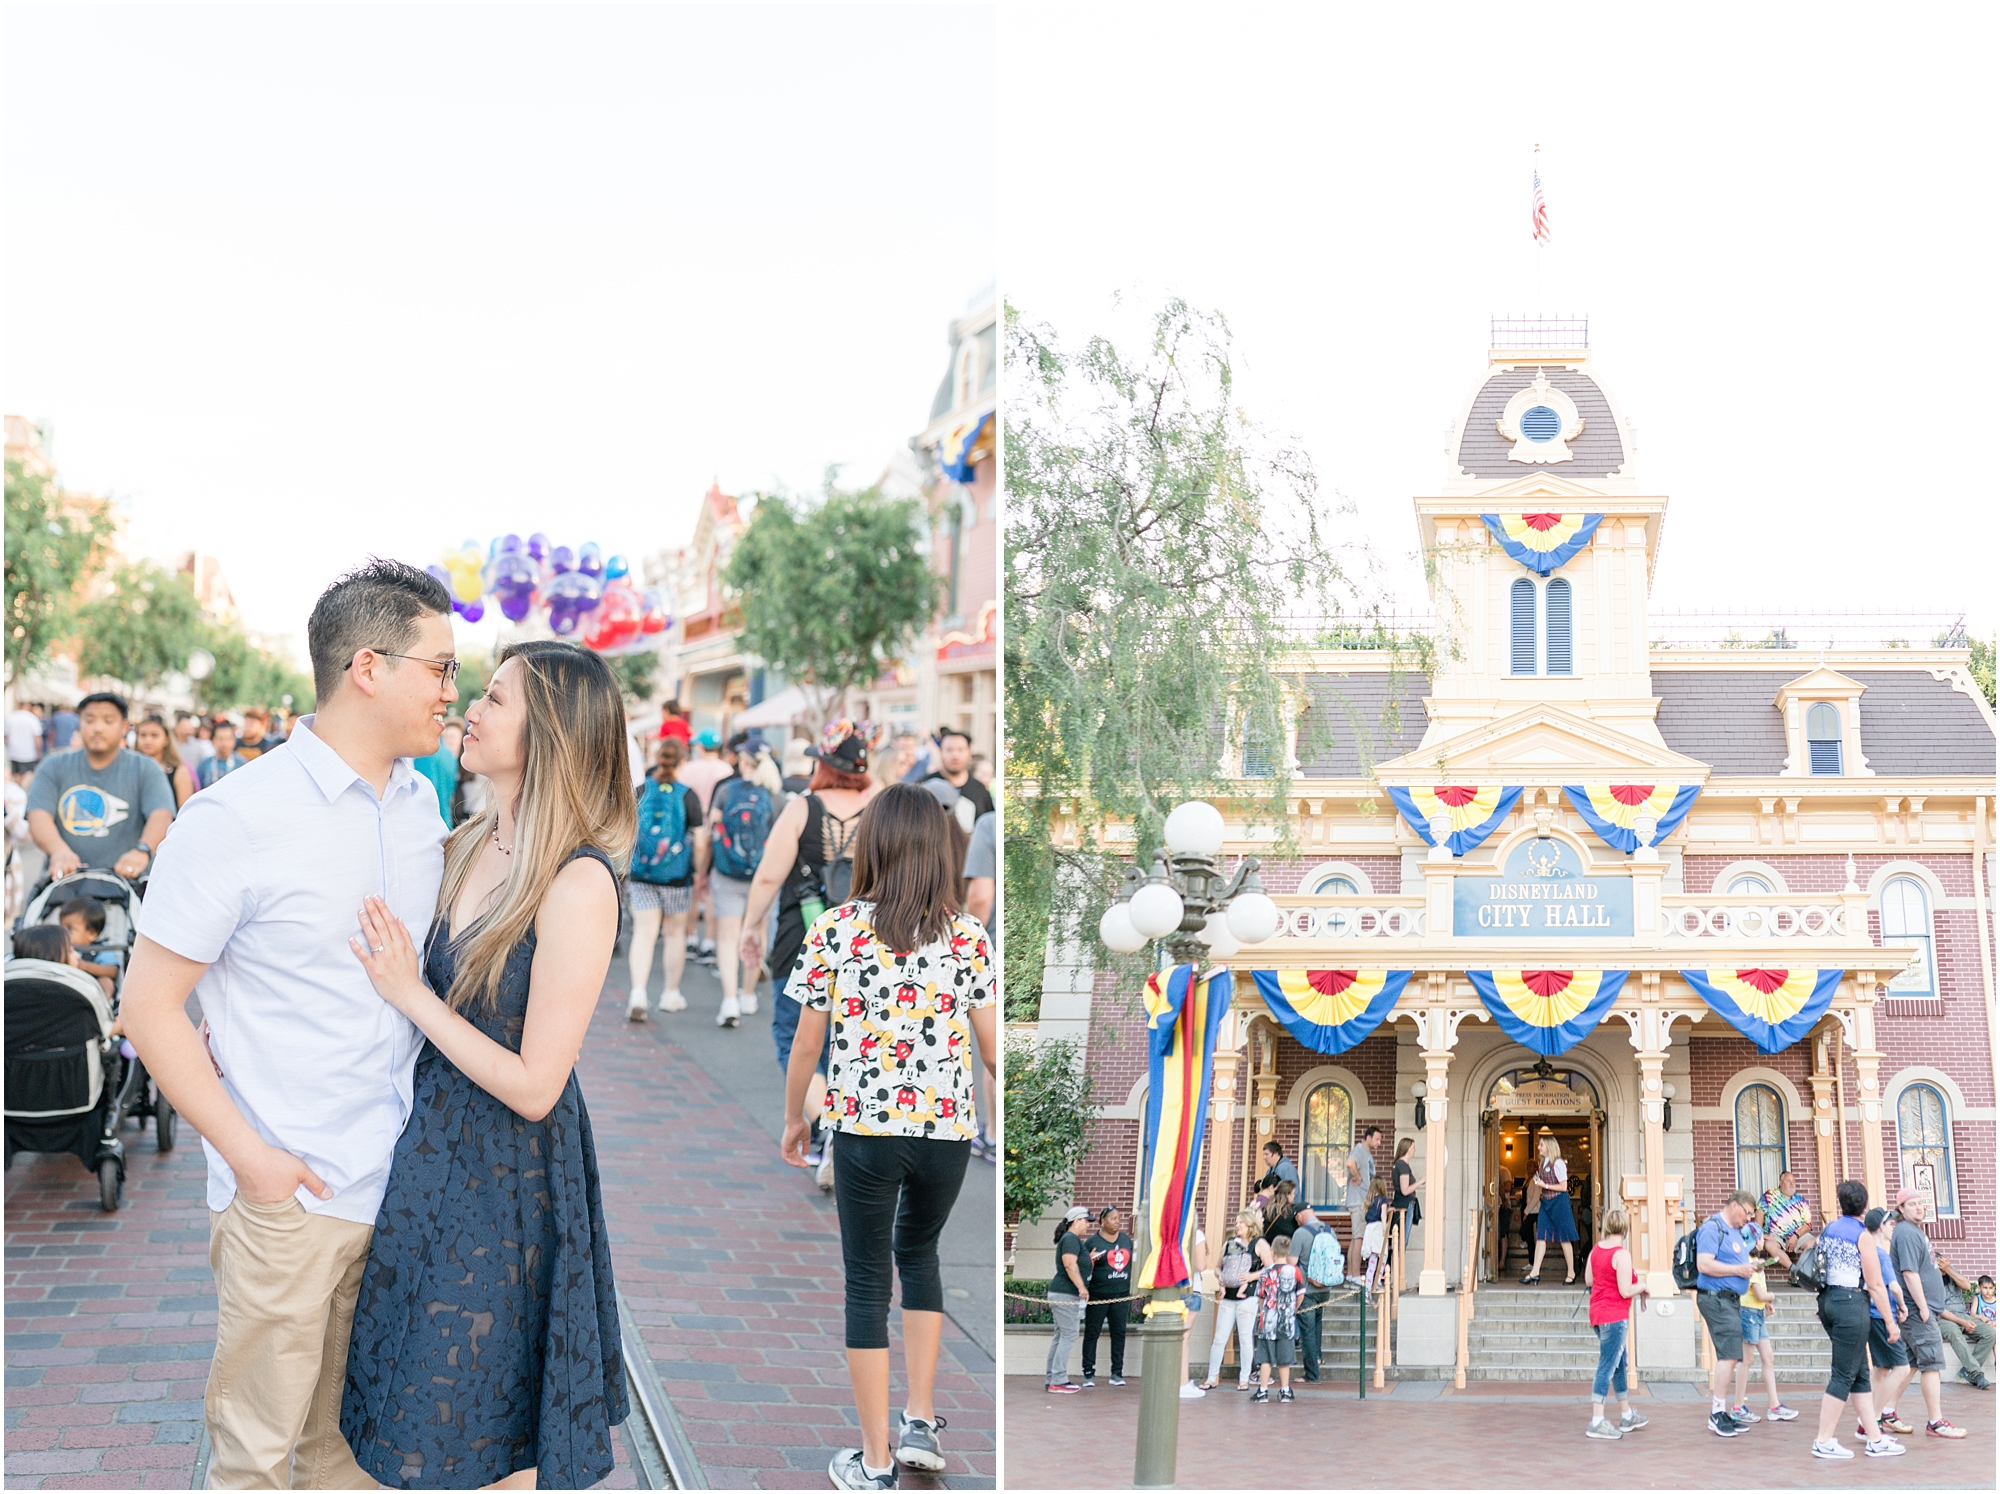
(1541, 424)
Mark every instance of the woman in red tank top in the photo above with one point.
(1609, 1274)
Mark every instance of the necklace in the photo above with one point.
(503, 850)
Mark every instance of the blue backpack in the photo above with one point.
(663, 851)
(744, 817)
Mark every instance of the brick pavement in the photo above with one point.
(730, 1261)
(1423, 1435)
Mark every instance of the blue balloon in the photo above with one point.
(615, 567)
(589, 559)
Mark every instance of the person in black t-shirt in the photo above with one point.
(1110, 1276)
(1067, 1290)
(955, 768)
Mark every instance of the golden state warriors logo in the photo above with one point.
(87, 811)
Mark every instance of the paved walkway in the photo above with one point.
(728, 1259)
(1503, 1435)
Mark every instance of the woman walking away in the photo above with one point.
(1069, 1288)
(1890, 1357)
(1854, 1282)
(908, 979)
(741, 812)
(1236, 1275)
(485, 1350)
(1613, 1283)
(1556, 1222)
(669, 853)
(156, 742)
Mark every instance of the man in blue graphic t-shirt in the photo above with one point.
(1722, 1257)
(100, 806)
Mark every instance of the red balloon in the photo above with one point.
(616, 618)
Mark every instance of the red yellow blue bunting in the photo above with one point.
(1613, 810)
(1550, 1011)
(1542, 542)
(1772, 1008)
(1185, 1013)
(958, 453)
(1329, 1011)
(1475, 813)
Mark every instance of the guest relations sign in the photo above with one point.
(1544, 891)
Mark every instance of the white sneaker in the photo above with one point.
(673, 1001)
(747, 1004)
(1885, 1447)
(727, 1017)
(824, 1175)
(635, 1009)
(1831, 1448)
(1192, 1392)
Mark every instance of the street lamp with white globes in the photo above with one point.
(1203, 916)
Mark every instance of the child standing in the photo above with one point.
(83, 921)
(1375, 1229)
(1278, 1298)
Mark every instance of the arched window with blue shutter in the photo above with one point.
(1823, 740)
(1521, 602)
(1923, 1135)
(1906, 919)
(1760, 1138)
(1559, 628)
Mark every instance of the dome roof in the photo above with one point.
(1483, 452)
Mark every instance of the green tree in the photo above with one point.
(1048, 1100)
(143, 629)
(1163, 556)
(1982, 665)
(833, 589)
(636, 674)
(52, 550)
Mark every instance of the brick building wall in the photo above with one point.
(1281, 875)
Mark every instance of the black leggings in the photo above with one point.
(1843, 1313)
(868, 1173)
(1095, 1316)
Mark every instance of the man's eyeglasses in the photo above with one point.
(447, 668)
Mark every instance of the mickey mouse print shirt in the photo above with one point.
(902, 1034)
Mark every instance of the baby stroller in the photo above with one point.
(70, 1084)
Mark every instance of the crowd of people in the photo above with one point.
(477, 871)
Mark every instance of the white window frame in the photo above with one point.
(1736, 1130)
(1949, 1182)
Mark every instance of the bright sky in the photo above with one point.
(1781, 230)
(299, 285)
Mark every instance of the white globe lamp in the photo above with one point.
(1215, 934)
(1115, 929)
(1253, 917)
(1156, 910)
(1195, 829)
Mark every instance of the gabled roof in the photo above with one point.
(1540, 744)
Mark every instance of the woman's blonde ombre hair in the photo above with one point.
(576, 790)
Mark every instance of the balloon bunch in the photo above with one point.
(582, 592)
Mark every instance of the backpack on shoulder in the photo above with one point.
(1234, 1270)
(745, 815)
(1687, 1258)
(1326, 1265)
(663, 851)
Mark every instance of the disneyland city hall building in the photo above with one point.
(1703, 912)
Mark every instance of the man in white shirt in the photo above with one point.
(24, 738)
(192, 747)
(300, 1080)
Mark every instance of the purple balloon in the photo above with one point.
(573, 591)
(510, 571)
(562, 621)
(509, 543)
(561, 559)
(589, 560)
(514, 605)
(443, 575)
(472, 611)
(538, 545)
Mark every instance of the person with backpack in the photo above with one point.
(1321, 1259)
(1237, 1271)
(1722, 1270)
(808, 867)
(741, 810)
(1278, 1296)
(1852, 1280)
(671, 852)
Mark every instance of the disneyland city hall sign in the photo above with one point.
(1543, 891)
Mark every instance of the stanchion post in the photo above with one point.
(1160, 1392)
(1361, 1351)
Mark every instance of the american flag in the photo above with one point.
(1541, 208)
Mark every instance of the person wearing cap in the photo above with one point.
(1923, 1288)
(1069, 1289)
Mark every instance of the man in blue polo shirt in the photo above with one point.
(1722, 1257)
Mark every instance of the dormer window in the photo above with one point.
(1823, 740)
(1541, 637)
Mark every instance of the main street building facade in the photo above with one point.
(1745, 891)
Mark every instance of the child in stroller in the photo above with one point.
(72, 1080)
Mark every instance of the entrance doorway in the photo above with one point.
(1525, 1107)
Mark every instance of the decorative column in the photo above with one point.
(1824, 1120)
(1868, 1064)
(1652, 1028)
(1438, 1033)
(1221, 1110)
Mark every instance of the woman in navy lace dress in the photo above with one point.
(485, 1350)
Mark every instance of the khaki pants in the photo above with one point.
(285, 1287)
